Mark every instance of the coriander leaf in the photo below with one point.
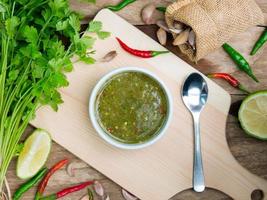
(58, 80)
(47, 13)
(12, 75)
(103, 34)
(39, 67)
(11, 25)
(30, 33)
(68, 66)
(82, 44)
(94, 26)
(61, 25)
(58, 7)
(30, 51)
(88, 41)
(75, 23)
(87, 59)
(56, 99)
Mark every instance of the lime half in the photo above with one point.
(253, 115)
(34, 154)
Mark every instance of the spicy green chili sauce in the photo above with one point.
(131, 107)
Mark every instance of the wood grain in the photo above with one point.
(250, 153)
(132, 13)
(135, 170)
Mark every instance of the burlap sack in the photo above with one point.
(213, 21)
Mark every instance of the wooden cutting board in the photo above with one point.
(160, 171)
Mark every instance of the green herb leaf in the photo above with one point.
(94, 26)
(74, 22)
(103, 34)
(30, 51)
(30, 33)
(87, 59)
(11, 25)
(61, 25)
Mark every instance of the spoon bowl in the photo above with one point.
(195, 92)
(195, 95)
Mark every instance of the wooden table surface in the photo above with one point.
(250, 153)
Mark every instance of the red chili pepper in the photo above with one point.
(140, 53)
(230, 79)
(43, 184)
(66, 191)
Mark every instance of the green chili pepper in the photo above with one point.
(239, 60)
(120, 5)
(90, 194)
(260, 42)
(30, 183)
(161, 9)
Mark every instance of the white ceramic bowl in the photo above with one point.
(106, 136)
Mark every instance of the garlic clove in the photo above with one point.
(99, 188)
(109, 56)
(178, 25)
(192, 39)
(147, 13)
(128, 196)
(176, 31)
(181, 38)
(70, 169)
(162, 24)
(162, 36)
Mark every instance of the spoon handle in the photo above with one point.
(198, 175)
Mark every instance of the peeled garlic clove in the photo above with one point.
(99, 188)
(147, 13)
(127, 195)
(109, 56)
(176, 31)
(178, 25)
(162, 36)
(181, 38)
(70, 169)
(162, 24)
(192, 39)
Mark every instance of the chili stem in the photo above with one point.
(67, 191)
(140, 53)
(45, 180)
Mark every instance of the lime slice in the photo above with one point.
(34, 154)
(253, 115)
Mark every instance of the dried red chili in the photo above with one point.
(66, 191)
(45, 180)
(140, 53)
(230, 79)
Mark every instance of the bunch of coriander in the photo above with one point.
(33, 61)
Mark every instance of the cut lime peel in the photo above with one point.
(21, 167)
(242, 107)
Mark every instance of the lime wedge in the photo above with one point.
(34, 154)
(253, 115)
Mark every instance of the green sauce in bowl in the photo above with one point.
(131, 107)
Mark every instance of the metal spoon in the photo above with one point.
(195, 95)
